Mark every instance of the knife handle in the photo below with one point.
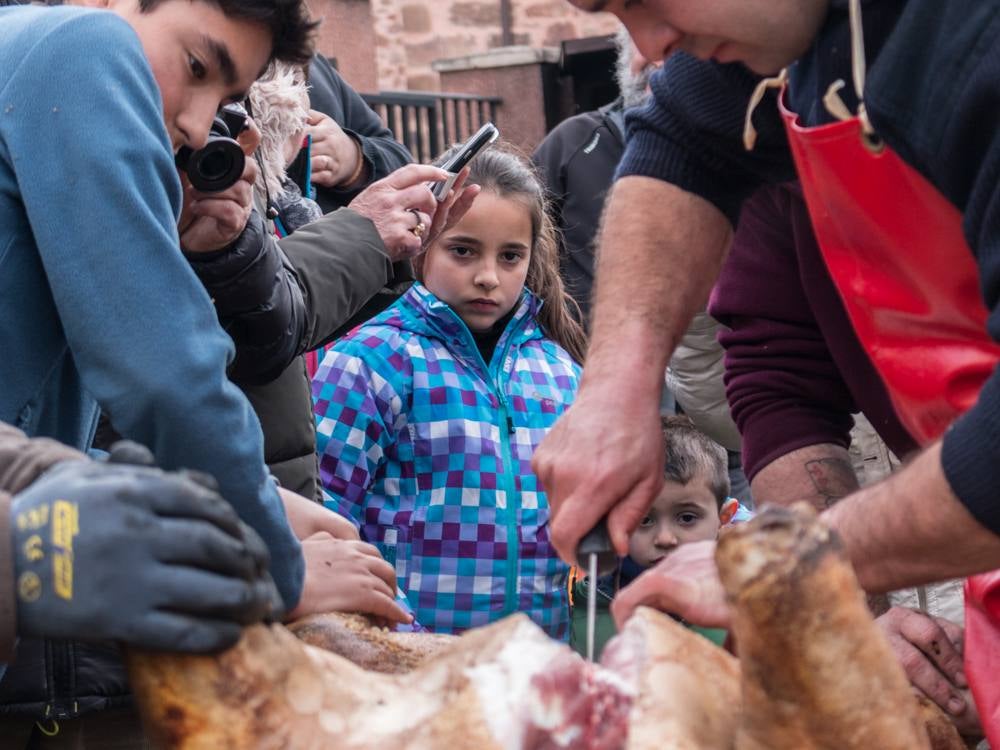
(596, 541)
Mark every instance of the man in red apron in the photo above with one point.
(901, 172)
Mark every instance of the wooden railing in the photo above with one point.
(429, 122)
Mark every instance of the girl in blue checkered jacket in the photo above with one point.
(428, 415)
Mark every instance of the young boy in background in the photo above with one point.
(692, 506)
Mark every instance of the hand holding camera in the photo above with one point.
(218, 164)
(212, 218)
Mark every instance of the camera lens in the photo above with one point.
(217, 166)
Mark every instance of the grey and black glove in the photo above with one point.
(135, 554)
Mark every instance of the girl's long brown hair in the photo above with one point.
(503, 170)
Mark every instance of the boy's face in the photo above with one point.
(766, 35)
(681, 513)
(201, 58)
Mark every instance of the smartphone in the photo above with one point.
(483, 138)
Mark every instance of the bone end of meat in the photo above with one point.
(817, 672)
(941, 733)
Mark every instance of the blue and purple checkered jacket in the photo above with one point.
(428, 449)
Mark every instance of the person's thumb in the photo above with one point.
(130, 452)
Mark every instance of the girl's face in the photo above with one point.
(479, 265)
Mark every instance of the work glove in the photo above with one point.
(131, 553)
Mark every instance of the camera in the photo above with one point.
(218, 165)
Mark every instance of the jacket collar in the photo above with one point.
(424, 313)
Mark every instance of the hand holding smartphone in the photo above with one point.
(482, 138)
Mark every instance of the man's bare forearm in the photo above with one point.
(660, 251)
(911, 529)
(820, 475)
(817, 474)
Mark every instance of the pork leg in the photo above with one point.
(816, 672)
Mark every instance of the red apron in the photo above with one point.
(895, 250)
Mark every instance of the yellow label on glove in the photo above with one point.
(62, 575)
(65, 526)
(34, 519)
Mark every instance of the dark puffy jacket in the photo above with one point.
(345, 278)
(258, 300)
(577, 161)
(344, 274)
(63, 679)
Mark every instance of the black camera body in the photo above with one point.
(217, 166)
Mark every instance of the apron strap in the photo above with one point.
(831, 100)
(859, 69)
(749, 131)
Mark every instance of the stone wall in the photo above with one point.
(391, 44)
(525, 75)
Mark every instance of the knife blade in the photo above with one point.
(596, 549)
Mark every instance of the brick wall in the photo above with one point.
(522, 75)
(390, 44)
(348, 34)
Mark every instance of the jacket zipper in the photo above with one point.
(506, 430)
(506, 426)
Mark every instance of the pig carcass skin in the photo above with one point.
(503, 687)
(816, 675)
(355, 638)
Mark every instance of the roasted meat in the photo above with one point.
(504, 686)
(814, 674)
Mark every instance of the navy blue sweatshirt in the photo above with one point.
(931, 93)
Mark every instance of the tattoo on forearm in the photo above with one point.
(833, 479)
(878, 604)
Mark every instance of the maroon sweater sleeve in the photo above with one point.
(784, 389)
(795, 371)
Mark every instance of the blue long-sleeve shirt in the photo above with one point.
(931, 94)
(97, 304)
